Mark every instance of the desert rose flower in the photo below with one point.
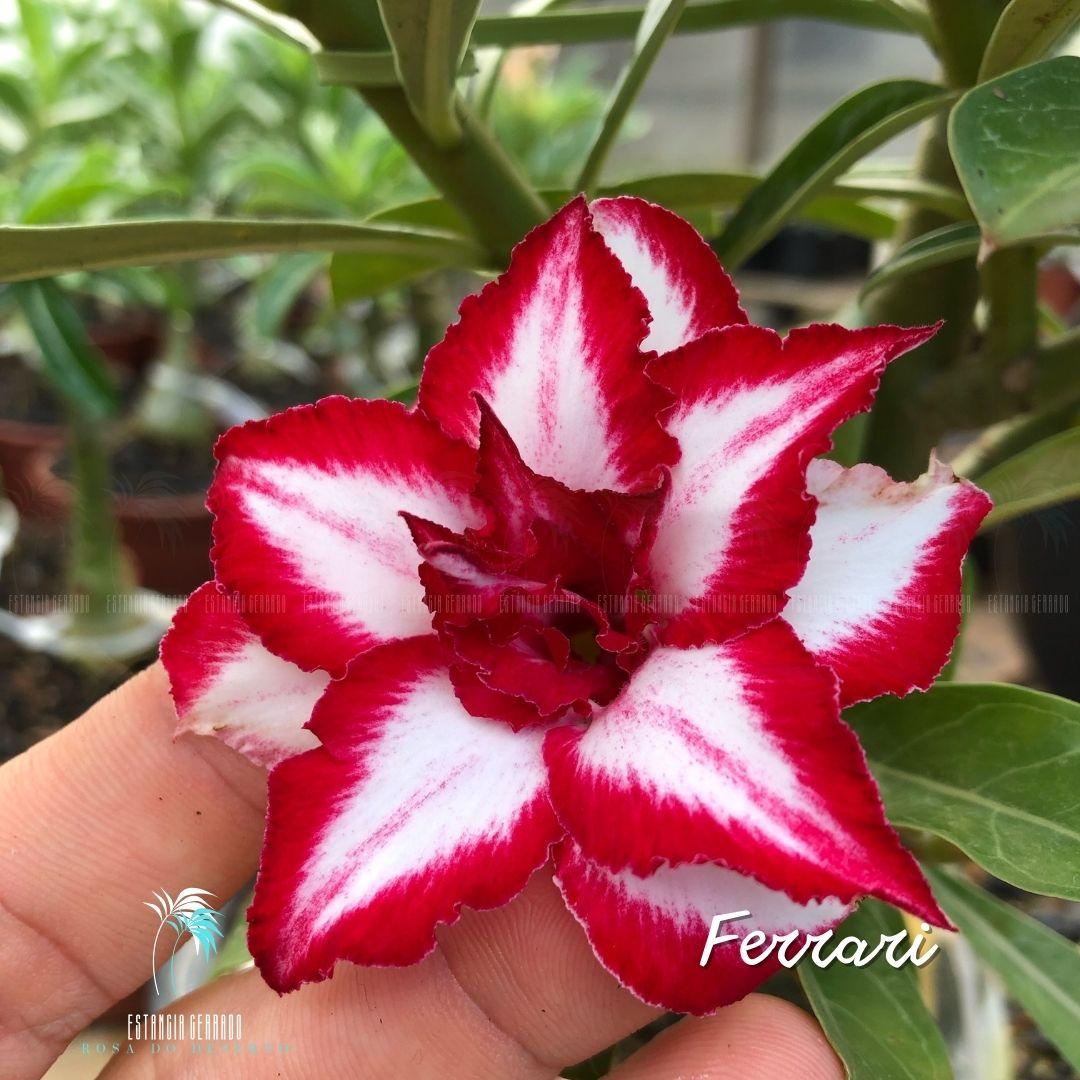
(595, 601)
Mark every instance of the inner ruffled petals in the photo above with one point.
(538, 610)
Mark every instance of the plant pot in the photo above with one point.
(133, 341)
(168, 538)
(27, 452)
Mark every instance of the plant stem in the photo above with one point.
(1009, 283)
(475, 175)
(963, 30)
(906, 424)
(97, 569)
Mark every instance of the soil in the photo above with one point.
(42, 693)
(150, 467)
(146, 466)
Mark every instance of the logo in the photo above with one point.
(190, 916)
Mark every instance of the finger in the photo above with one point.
(91, 820)
(375, 1023)
(530, 968)
(760, 1037)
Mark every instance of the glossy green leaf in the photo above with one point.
(1016, 145)
(851, 130)
(1041, 969)
(429, 38)
(611, 23)
(993, 769)
(72, 366)
(1043, 475)
(1026, 31)
(41, 251)
(657, 23)
(874, 1016)
(948, 244)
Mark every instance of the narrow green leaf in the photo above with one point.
(874, 1016)
(913, 14)
(948, 244)
(281, 286)
(42, 251)
(614, 22)
(1043, 475)
(429, 38)
(851, 130)
(993, 769)
(1041, 969)
(1026, 31)
(69, 362)
(657, 23)
(1016, 144)
(688, 194)
(908, 189)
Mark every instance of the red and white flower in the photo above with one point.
(596, 600)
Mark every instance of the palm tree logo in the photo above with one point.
(188, 914)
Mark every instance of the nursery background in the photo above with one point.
(305, 202)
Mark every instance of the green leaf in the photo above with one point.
(69, 362)
(1015, 144)
(353, 277)
(874, 1016)
(1041, 969)
(851, 130)
(281, 286)
(607, 24)
(686, 193)
(1043, 475)
(866, 184)
(657, 23)
(948, 244)
(429, 38)
(41, 251)
(993, 769)
(1026, 31)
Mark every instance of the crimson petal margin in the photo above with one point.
(409, 809)
(308, 528)
(553, 346)
(225, 683)
(684, 284)
(880, 600)
(650, 932)
(736, 754)
(752, 410)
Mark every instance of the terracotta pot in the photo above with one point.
(169, 539)
(27, 451)
(168, 535)
(132, 341)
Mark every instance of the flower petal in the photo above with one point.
(553, 346)
(880, 599)
(650, 932)
(684, 284)
(307, 519)
(752, 411)
(734, 753)
(225, 683)
(410, 809)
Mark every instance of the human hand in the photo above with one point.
(99, 815)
